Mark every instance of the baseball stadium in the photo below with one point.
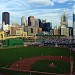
(21, 56)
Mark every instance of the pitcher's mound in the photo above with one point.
(52, 65)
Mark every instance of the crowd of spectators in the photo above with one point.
(60, 41)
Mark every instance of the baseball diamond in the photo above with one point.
(28, 60)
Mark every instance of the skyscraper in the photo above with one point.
(30, 18)
(47, 26)
(73, 17)
(23, 21)
(63, 30)
(64, 20)
(6, 18)
(74, 26)
(40, 23)
(33, 22)
(36, 23)
(55, 30)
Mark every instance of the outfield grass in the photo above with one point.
(43, 66)
(11, 55)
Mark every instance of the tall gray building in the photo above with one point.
(64, 20)
(35, 22)
(73, 25)
(23, 21)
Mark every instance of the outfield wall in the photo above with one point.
(13, 42)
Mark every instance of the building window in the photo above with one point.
(31, 30)
(64, 19)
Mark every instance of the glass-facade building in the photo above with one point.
(47, 26)
(73, 18)
(6, 18)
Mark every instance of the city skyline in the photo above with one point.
(43, 9)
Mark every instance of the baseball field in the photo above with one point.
(35, 60)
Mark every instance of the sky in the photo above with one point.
(51, 10)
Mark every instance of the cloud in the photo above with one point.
(74, 6)
(51, 3)
(37, 8)
(43, 2)
(14, 5)
(60, 1)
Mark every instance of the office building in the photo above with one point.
(55, 30)
(6, 18)
(16, 30)
(23, 21)
(73, 17)
(30, 18)
(13, 30)
(6, 28)
(32, 31)
(47, 26)
(64, 31)
(64, 20)
(25, 28)
(74, 30)
(67, 32)
(70, 31)
(19, 30)
(36, 22)
(33, 22)
(39, 30)
(40, 23)
(59, 30)
(73, 25)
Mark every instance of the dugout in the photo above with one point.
(13, 42)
